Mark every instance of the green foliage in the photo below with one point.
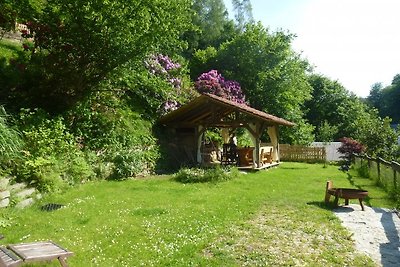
(385, 99)
(118, 135)
(148, 91)
(52, 156)
(12, 68)
(326, 132)
(271, 74)
(328, 98)
(20, 11)
(78, 44)
(10, 141)
(348, 116)
(212, 175)
(243, 13)
(212, 25)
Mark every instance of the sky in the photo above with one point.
(355, 42)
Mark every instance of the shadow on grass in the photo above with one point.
(293, 168)
(321, 204)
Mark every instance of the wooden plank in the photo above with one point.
(8, 258)
(39, 251)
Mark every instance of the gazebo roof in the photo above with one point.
(214, 111)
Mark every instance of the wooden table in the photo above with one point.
(244, 156)
(37, 251)
(345, 193)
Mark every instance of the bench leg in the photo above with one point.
(361, 204)
(346, 201)
(62, 262)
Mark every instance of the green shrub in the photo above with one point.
(122, 140)
(10, 140)
(42, 173)
(199, 175)
(53, 158)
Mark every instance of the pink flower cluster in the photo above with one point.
(169, 105)
(162, 65)
(214, 83)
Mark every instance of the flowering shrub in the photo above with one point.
(170, 105)
(350, 146)
(214, 83)
(162, 65)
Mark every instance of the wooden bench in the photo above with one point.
(15, 255)
(8, 258)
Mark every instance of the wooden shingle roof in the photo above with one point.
(214, 111)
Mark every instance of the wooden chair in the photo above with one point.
(266, 157)
(229, 155)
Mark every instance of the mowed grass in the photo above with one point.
(267, 218)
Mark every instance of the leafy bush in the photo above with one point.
(212, 175)
(349, 147)
(121, 140)
(52, 155)
(10, 140)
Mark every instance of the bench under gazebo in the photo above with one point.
(186, 125)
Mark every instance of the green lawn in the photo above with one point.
(274, 218)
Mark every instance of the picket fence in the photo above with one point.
(302, 153)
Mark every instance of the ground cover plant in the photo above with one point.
(267, 218)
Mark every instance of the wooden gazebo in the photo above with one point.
(189, 122)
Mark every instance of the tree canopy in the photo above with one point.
(78, 43)
(387, 99)
(272, 76)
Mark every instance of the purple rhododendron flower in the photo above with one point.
(213, 83)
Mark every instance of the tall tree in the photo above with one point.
(387, 99)
(349, 116)
(212, 25)
(243, 13)
(375, 96)
(78, 43)
(271, 74)
(327, 96)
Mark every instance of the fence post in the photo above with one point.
(395, 168)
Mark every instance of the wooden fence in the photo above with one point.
(385, 173)
(302, 153)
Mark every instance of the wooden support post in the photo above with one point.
(199, 132)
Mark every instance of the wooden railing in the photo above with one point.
(384, 173)
(302, 153)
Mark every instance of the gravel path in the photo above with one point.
(376, 232)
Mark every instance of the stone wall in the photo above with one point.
(16, 194)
